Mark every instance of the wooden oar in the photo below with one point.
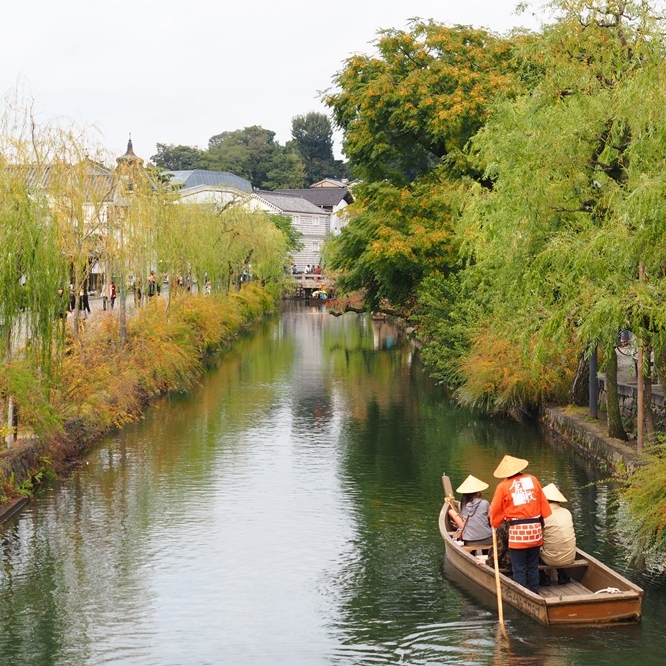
(498, 585)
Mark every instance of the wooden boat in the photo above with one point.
(595, 595)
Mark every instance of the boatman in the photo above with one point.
(559, 537)
(519, 500)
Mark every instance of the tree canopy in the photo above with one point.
(177, 158)
(420, 98)
(312, 138)
(407, 115)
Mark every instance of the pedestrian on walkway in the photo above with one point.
(112, 293)
(62, 305)
(71, 306)
(152, 285)
(84, 305)
(105, 295)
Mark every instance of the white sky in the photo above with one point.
(178, 71)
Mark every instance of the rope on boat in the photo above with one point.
(609, 590)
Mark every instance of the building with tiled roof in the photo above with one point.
(204, 186)
(329, 198)
(310, 220)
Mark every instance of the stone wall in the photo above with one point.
(628, 396)
(20, 462)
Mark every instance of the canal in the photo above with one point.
(285, 512)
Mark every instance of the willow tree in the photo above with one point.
(80, 190)
(133, 221)
(558, 238)
(32, 269)
(250, 244)
(223, 244)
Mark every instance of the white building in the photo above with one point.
(313, 222)
(329, 195)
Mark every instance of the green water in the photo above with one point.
(285, 512)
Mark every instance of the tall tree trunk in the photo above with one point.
(579, 394)
(9, 438)
(615, 427)
(123, 310)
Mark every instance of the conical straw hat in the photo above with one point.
(471, 485)
(553, 494)
(509, 466)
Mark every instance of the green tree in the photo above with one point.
(254, 154)
(177, 158)
(395, 238)
(556, 243)
(284, 171)
(407, 115)
(32, 264)
(421, 98)
(312, 136)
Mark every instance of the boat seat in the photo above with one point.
(574, 565)
(471, 549)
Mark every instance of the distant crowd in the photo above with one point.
(309, 269)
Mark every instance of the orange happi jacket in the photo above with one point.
(519, 496)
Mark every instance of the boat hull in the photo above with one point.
(583, 601)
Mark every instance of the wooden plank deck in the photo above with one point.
(570, 589)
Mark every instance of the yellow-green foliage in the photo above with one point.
(645, 519)
(253, 301)
(500, 377)
(28, 387)
(105, 385)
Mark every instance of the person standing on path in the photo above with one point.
(152, 285)
(71, 306)
(112, 293)
(105, 295)
(519, 499)
(84, 305)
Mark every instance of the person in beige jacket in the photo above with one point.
(559, 538)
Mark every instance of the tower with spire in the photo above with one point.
(131, 174)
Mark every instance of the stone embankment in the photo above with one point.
(590, 436)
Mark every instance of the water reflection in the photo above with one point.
(285, 513)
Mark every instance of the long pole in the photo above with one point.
(498, 586)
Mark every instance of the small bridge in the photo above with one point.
(308, 283)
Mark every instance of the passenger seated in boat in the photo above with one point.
(559, 538)
(473, 521)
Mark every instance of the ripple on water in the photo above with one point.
(463, 642)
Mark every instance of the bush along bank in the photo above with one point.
(102, 384)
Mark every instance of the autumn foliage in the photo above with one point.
(502, 378)
(102, 385)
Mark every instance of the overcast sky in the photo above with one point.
(179, 71)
